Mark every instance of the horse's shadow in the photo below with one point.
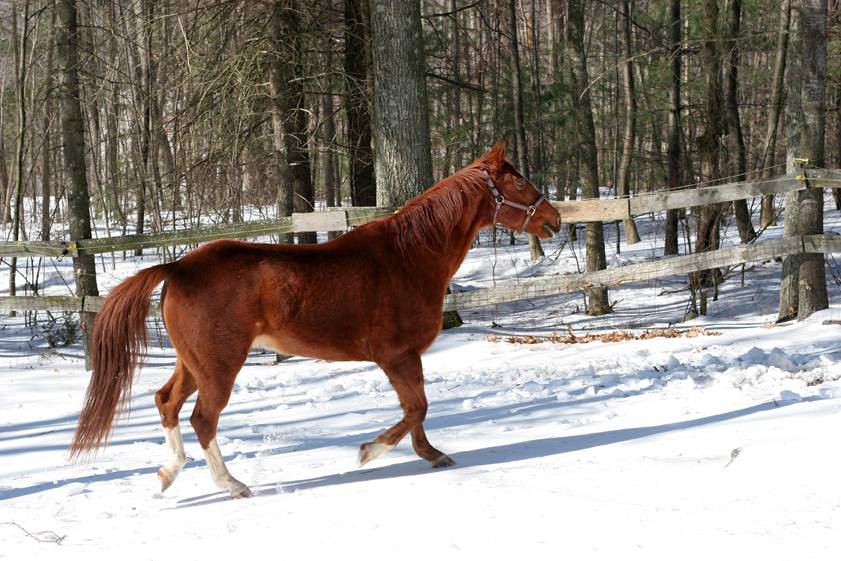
(489, 456)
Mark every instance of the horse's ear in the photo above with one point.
(497, 153)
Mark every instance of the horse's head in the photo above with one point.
(518, 205)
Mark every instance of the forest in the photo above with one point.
(650, 370)
(150, 116)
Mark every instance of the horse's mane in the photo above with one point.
(427, 221)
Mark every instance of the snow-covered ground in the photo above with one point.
(713, 447)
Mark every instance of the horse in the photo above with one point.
(373, 294)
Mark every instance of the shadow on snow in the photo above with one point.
(494, 455)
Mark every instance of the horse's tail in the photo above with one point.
(118, 341)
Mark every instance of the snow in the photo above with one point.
(712, 447)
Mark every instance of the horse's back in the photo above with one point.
(309, 300)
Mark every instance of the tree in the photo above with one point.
(289, 114)
(734, 123)
(330, 164)
(709, 147)
(520, 144)
(46, 154)
(674, 151)
(21, 43)
(586, 140)
(401, 120)
(73, 138)
(767, 216)
(363, 189)
(623, 176)
(144, 92)
(789, 292)
(813, 29)
(803, 282)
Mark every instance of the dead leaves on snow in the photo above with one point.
(611, 337)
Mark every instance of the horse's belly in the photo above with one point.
(298, 346)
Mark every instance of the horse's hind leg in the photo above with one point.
(169, 399)
(406, 376)
(426, 451)
(214, 392)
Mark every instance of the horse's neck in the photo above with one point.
(464, 231)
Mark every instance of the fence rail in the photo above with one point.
(592, 210)
(324, 221)
(538, 287)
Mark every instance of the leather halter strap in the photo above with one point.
(501, 201)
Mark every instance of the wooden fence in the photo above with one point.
(538, 287)
(571, 212)
(330, 220)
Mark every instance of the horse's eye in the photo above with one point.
(521, 182)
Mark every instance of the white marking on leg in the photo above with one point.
(220, 474)
(177, 460)
(371, 451)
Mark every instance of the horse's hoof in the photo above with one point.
(242, 493)
(372, 450)
(166, 479)
(443, 461)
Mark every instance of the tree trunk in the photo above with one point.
(153, 169)
(623, 176)
(519, 117)
(674, 150)
(586, 140)
(5, 183)
(734, 124)
(328, 142)
(836, 192)
(558, 173)
(21, 44)
(539, 171)
(767, 214)
(289, 116)
(114, 174)
(49, 111)
(790, 276)
(707, 236)
(401, 119)
(328, 136)
(73, 137)
(285, 194)
(455, 148)
(363, 190)
(813, 28)
(143, 33)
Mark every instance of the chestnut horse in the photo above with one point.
(374, 294)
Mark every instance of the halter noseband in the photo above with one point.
(500, 200)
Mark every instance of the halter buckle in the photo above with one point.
(531, 210)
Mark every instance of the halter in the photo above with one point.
(500, 200)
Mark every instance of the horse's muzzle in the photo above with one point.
(552, 229)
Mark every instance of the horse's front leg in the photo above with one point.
(406, 377)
